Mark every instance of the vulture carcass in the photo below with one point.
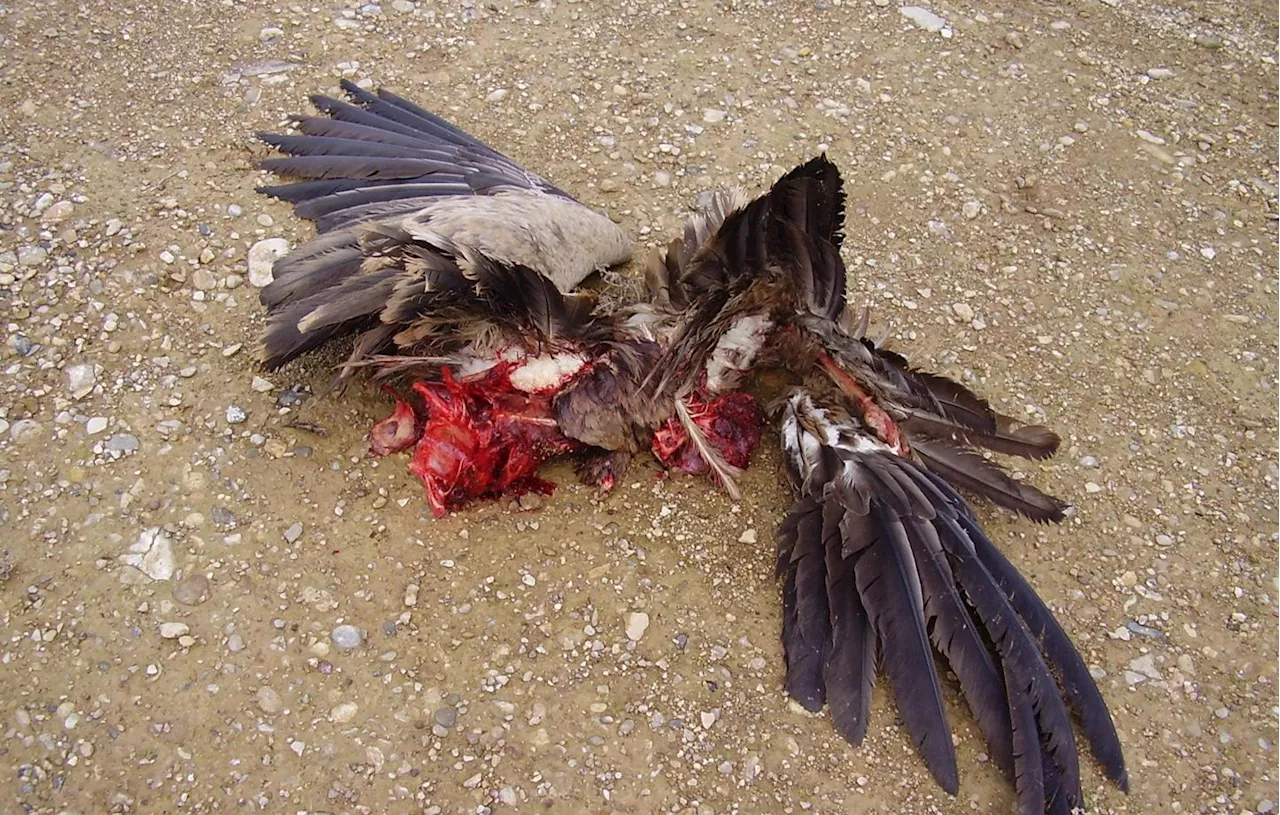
(458, 272)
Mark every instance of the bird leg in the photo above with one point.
(603, 468)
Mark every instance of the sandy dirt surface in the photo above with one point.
(1071, 206)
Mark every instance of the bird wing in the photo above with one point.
(883, 563)
(738, 259)
(423, 230)
(880, 556)
(382, 149)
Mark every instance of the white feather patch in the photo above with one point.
(736, 351)
(803, 442)
(474, 362)
(475, 365)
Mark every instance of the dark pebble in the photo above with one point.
(446, 717)
(223, 517)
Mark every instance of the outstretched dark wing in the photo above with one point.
(380, 155)
(738, 261)
(424, 230)
(879, 549)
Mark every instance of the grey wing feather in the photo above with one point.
(399, 196)
(927, 577)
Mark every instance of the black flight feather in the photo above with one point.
(889, 587)
(324, 205)
(1077, 682)
(805, 641)
(299, 279)
(850, 668)
(393, 108)
(354, 167)
(336, 146)
(1011, 640)
(957, 638)
(346, 112)
(299, 191)
(1027, 753)
(325, 126)
(1026, 441)
(967, 470)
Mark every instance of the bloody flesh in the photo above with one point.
(397, 432)
(872, 414)
(480, 438)
(732, 425)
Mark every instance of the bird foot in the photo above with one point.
(603, 469)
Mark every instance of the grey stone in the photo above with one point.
(122, 443)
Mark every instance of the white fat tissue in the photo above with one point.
(546, 372)
(736, 351)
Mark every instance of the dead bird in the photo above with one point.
(459, 272)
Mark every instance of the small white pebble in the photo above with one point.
(346, 637)
(637, 624)
(343, 712)
(171, 631)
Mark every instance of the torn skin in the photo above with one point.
(873, 416)
(397, 432)
(480, 438)
(732, 423)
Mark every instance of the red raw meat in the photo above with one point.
(479, 438)
(732, 424)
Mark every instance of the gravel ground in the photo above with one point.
(1070, 205)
